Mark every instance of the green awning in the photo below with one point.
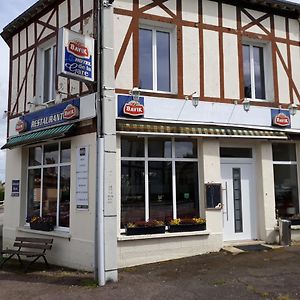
(38, 136)
(148, 128)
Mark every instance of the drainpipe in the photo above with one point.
(99, 241)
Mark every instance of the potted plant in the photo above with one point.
(143, 227)
(295, 219)
(39, 223)
(188, 224)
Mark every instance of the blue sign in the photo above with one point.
(124, 101)
(15, 188)
(78, 65)
(57, 114)
(281, 118)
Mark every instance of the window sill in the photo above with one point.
(55, 233)
(260, 100)
(124, 237)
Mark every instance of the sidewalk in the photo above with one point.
(257, 275)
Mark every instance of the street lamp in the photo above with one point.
(135, 93)
(246, 104)
(293, 109)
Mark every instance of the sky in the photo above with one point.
(9, 10)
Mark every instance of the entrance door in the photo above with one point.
(238, 202)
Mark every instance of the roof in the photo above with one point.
(42, 5)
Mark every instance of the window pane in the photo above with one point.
(64, 197)
(65, 152)
(286, 190)
(132, 192)
(259, 73)
(35, 156)
(163, 61)
(236, 152)
(47, 75)
(284, 152)
(51, 154)
(186, 148)
(53, 73)
(34, 192)
(145, 59)
(132, 147)
(160, 191)
(187, 191)
(247, 71)
(49, 205)
(159, 148)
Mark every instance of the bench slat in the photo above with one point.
(26, 253)
(32, 245)
(34, 240)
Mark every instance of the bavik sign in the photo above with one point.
(129, 108)
(54, 115)
(75, 55)
(281, 118)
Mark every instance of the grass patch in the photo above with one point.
(88, 282)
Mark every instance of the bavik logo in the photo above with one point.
(134, 109)
(71, 112)
(281, 120)
(21, 126)
(78, 49)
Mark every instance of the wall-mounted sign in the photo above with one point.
(82, 178)
(130, 108)
(281, 118)
(75, 55)
(15, 188)
(53, 115)
(213, 195)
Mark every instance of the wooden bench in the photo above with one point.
(37, 248)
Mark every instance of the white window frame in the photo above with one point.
(268, 70)
(173, 55)
(172, 159)
(42, 166)
(40, 73)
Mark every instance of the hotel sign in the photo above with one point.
(54, 115)
(75, 55)
(281, 118)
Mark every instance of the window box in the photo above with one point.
(186, 227)
(144, 230)
(42, 226)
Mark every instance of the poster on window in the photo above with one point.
(82, 177)
(75, 55)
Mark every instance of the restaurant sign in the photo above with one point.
(127, 107)
(281, 118)
(54, 115)
(75, 55)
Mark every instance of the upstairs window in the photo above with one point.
(155, 52)
(255, 81)
(49, 71)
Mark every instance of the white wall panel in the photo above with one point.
(22, 39)
(295, 57)
(121, 25)
(171, 5)
(211, 64)
(190, 10)
(229, 16)
(63, 14)
(31, 30)
(191, 68)
(124, 4)
(280, 28)
(210, 12)
(294, 30)
(87, 5)
(14, 90)
(15, 44)
(22, 77)
(75, 9)
(283, 81)
(231, 67)
(30, 77)
(88, 26)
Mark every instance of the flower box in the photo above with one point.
(186, 227)
(144, 230)
(42, 226)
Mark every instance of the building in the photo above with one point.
(232, 158)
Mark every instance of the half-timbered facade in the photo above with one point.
(213, 134)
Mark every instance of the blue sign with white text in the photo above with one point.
(129, 108)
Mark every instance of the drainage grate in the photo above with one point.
(258, 247)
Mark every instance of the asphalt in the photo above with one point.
(273, 274)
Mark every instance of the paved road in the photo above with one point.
(260, 275)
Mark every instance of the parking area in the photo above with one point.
(273, 274)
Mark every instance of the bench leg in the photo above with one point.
(6, 259)
(19, 259)
(30, 263)
(45, 260)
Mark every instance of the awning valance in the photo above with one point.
(38, 136)
(146, 128)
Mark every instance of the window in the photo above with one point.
(256, 67)
(285, 180)
(159, 179)
(155, 52)
(48, 73)
(49, 182)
